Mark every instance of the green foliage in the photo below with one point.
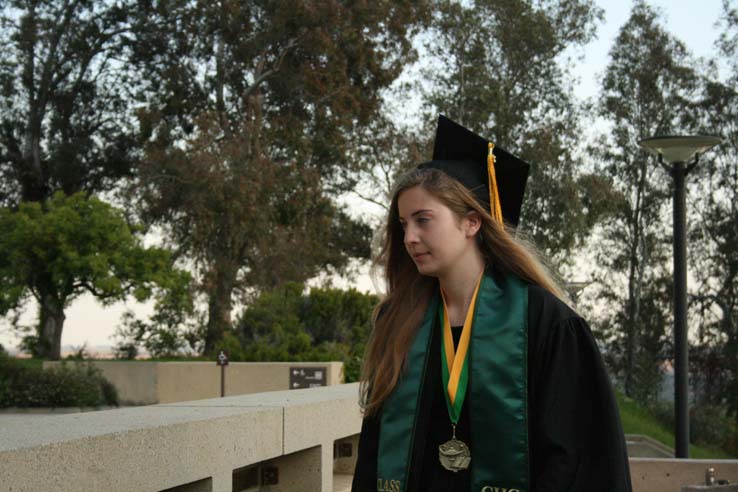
(80, 244)
(647, 89)
(709, 425)
(714, 234)
(63, 102)
(75, 385)
(250, 108)
(637, 419)
(70, 245)
(495, 68)
(322, 325)
(168, 331)
(337, 315)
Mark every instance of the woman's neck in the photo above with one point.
(458, 288)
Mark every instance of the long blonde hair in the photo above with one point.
(398, 316)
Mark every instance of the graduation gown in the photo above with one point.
(576, 439)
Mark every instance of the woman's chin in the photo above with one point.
(426, 270)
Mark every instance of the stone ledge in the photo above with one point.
(158, 447)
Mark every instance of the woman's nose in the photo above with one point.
(410, 235)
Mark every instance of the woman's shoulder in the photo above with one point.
(548, 306)
(549, 316)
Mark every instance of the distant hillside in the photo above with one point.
(638, 420)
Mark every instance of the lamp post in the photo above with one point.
(674, 154)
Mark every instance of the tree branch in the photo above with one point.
(291, 43)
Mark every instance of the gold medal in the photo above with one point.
(454, 454)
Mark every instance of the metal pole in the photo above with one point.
(222, 381)
(681, 357)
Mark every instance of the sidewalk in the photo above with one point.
(342, 483)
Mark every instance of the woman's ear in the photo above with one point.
(473, 223)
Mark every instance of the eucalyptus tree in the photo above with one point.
(499, 68)
(714, 231)
(248, 112)
(64, 115)
(649, 84)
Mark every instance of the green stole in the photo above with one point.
(498, 386)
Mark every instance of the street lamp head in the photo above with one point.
(679, 148)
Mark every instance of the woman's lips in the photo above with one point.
(420, 256)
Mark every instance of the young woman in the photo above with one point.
(478, 376)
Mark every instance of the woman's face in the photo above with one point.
(435, 238)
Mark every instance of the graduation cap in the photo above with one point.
(476, 163)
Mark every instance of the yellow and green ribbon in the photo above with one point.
(455, 362)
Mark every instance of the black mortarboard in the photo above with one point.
(462, 154)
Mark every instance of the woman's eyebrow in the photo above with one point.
(417, 212)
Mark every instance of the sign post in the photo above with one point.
(222, 362)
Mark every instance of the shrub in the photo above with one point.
(109, 392)
(707, 425)
(325, 324)
(76, 385)
(730, 443)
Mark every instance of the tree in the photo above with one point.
(64, 123)
(250, 110)
(247, 223)
(70, 245)
(324, 324)
(496, 69)
(382, 151)
(714, 233)
(648, 85)
(168, 332)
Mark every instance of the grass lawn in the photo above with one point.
(637, 420)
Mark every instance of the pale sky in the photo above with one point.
(690, 20)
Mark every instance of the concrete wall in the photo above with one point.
(148, 383)
(670, 474)
(198, 446)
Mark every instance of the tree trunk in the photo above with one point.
(31, 172)
(51, 324)
(635, 282)
(219, 306)
(630, 341)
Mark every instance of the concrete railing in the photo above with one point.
(149, 383)
(278, 441)
(671, 474)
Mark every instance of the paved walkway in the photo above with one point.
(342, 483)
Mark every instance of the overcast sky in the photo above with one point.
(690, 20)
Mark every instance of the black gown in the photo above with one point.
(575, 436)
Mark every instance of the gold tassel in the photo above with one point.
(494, 196)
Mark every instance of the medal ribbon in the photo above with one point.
(454, 362)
